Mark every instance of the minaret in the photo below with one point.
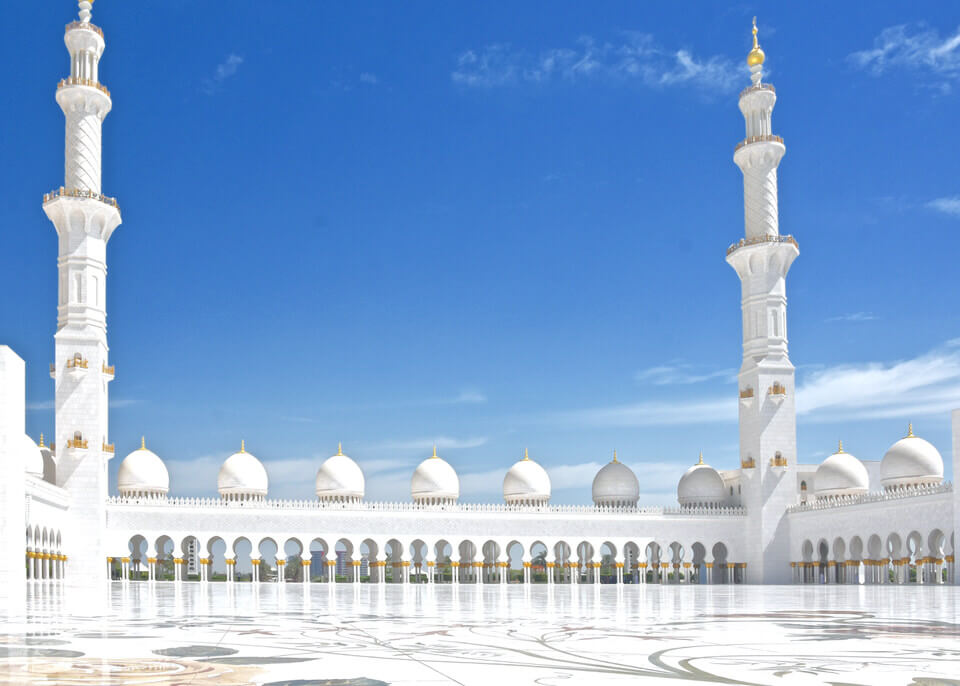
(84, 220)
(768, 436)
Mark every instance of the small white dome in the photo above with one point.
(841, 474)
(32, 457)
(435, 482)
(242, 477)
(911, 461)
(526, 483)
(340, 479)
(701, 485)
(615, 485)
(143, 472)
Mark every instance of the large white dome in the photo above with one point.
(435, 482)
(340, 479)
(142, 472)
(841, 474)
(911, 461)
(615, 485)
(32, 457)
(242, 477)
(526, 483)
(701, 486)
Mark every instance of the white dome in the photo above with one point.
(526, 483)
(32, 457)
(615, 485)
(339, 478)
(841, 474)
(435, 482)
(911, 461)
(242, 477)
(701, 485)
(143, 472)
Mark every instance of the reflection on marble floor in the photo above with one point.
(368, 635)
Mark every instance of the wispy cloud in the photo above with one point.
(852, 317)
(919, 49)
(948, 205)
(368, 78)
(925, 385)
(682, 373)
(634, 57)
(115, 403)
(40, 405)
(223, 71)
(425, 444)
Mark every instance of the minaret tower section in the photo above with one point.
(84, 219)
(768, 437)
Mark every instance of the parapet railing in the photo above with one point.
(886, 496)
(413, 507)
(90, 83)
(86, 25)
(763, 239)
(763, 138)
(78, 193)
(758, 87)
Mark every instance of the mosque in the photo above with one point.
(768, 520)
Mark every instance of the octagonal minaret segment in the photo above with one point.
(84, 219)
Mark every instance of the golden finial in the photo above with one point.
(243, 446)
(756, 56)
(143, 443)
(435, 450)
(339, 447)
(41, 440)
(614, 454)
(840, 446)
(910, 430)
(700, 461)
(526, 454)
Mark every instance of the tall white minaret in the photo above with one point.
(768, 435)
(84, 220)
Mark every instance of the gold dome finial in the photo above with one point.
(435, 450)
(243, 446)
(526, 454)
(339, 447)
(910, 430)
(756, 56)
(41, 440)
(839, 446)
(614, 454)
(700, 461)
(143, 443)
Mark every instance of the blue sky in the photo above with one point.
(493, 226)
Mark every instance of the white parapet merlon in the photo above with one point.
(12, 476)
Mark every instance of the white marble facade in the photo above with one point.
(767, 520)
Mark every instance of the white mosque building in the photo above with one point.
(768, 520)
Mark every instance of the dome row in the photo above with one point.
(339, 479)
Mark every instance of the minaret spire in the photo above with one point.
(85, 7)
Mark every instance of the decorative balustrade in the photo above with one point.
(763, 239)
(886, 496)
(111, 370)
(764, 138)
(84, 25)
(89, 83)
(778, 461)
(77, 363)
(758, 87)
(746, 393)
(78, 443)
(79, 193)
(109, 448)
(220, 503)
(777, 389)
(748, 463)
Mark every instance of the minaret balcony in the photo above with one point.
(77, 366)
(79, 193)
(89, 83)
(766, 138)
(746, 397)
(778, 460)
(53, 371)
(109, 372)
(109, 448)
(751, 89)
(90, 27)
(744, 242)
(748, 463)
(777, 392)
(77, 443)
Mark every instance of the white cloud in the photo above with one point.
(682, 373)
(635, 57)
(852, 317)
(948, 205)
(469, 397)
(367, 77)
(41, 405)
(925, 385)
(50, 404)
(423, 446)
(921, 49)
(223, 71)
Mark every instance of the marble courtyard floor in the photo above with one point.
(367, 635)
